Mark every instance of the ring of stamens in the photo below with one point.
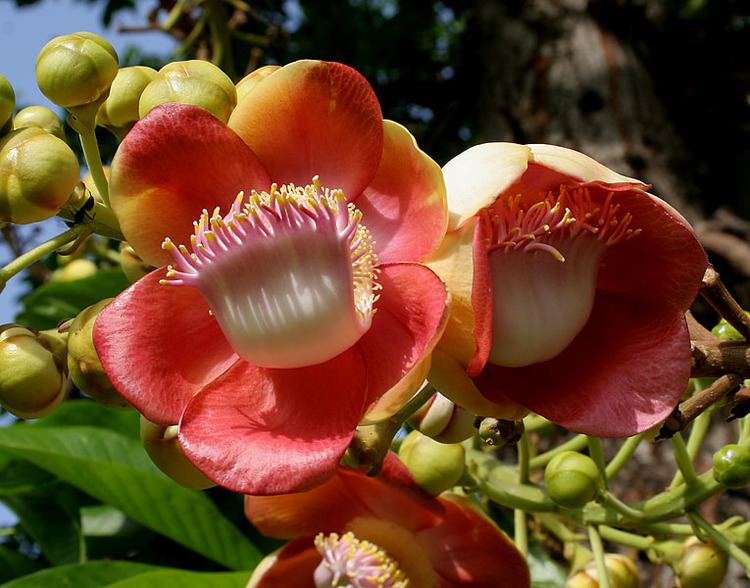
(349, 561)
(268, 245)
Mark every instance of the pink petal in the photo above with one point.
(350, 494)
(411, 315)
(270, 431)
(314, 118)
(292, 566)
(175, 162)
(467, 549)
(159, 345)
(622, 374)
(665, 262)
(404, 207)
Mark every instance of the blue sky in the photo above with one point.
(23, 32)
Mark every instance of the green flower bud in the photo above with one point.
(163, 447)
(499, 432)
(732, 466)
(621, 571)
(251, 80)
(191, 82)
(120, 110)
(7, 103)
(38, 172)
(723, 330)
(443, 420)
(435, 466)
(572, 479)
(133, 266)
(703, 565)
(77, 69)
(77, 269)
(32, 372)
(84, 365)
(40, 117)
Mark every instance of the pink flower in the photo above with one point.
(569, 287)
(385, 529)
(291, 310)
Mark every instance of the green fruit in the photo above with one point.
(41, 117)
(703, 565)
(732, 466)
(435, 466)
(120, 109)
(572, 479)
(7, 102)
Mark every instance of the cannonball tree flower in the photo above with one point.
(290, 305)
(569, 287)
(356, 530)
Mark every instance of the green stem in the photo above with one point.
(598, 548)
(174, 15)
(520, 531)
(735, 551)
(625, 538)
(610, 500)
(94, 163)
(683, 459)
(24, 260)
(575, 444)
(413, 405)
(523, 459)
(697, 435)
(622, 456)
(534, 422)
(597, 454)
(744, 438)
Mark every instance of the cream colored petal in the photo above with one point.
(476, 177)
(575, 164)
(395, 398)
(453, 263)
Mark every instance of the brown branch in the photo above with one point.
(716, 358)
(716, 294)
(687, 411)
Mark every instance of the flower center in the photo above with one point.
(354, 563)
(289, 274)
(544, 260)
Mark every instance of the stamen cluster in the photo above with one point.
(349, 561)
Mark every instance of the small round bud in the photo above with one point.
(251, 80)
(435, 466)
(191, 82)
(84, 365)
(164, 449)
(119, 112)
(7, 102)
(703, 565)
(572, 479)
(77, 69)
(133, 266)
(32, 375)
(77, 269)
(499, 432)
(732, 466)
(38, 172)
(621, 571)
(40, 117)
(723, 330)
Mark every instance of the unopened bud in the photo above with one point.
(40, 117)
(499, 432)
(164, 449)
(119, 112)
(38, 172)
(84, 365)
(76, 269)
(251, 80)
(77, 69)
(133, 266)
(621, 572)
(191, 82)
(7, 103)
(572, 479)
(32, 372)
(435, 466)
(443, 420)
(732, 466)
(703, 565)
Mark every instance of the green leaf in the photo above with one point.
(51, 519)
(116, 470)
(13, 564)
(182, 579)
(86, 412)
(52, 303)
(95, 574)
